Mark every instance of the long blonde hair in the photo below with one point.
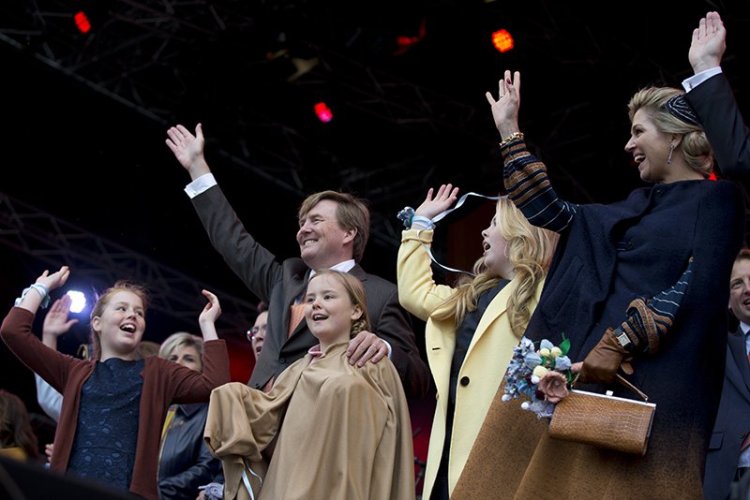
(529, 249)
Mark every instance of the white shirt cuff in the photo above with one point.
(390, 349)
(690, 83)
(200, 185)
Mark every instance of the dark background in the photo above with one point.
(83, 121)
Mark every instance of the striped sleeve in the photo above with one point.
(528, 186)
(650, 320)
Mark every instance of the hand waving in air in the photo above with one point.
(505, 108)
(708, 44)
(188, 149)
(432, 206)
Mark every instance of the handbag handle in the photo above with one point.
(630, 386)
(622, 380)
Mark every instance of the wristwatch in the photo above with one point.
(623, 338)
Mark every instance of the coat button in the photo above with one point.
(465, 381)
(282, 361)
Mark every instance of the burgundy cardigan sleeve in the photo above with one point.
(51, 365)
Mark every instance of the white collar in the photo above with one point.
(344, 267)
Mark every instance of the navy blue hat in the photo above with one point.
(678, 106)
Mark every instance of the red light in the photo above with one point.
(82, 22)
(712, 176)
(404, 42)
(323, 112)
(502, 40)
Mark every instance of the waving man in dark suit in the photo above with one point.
(333, 232)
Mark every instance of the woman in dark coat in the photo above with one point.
(608, 256)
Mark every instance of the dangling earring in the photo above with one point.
(671, 150)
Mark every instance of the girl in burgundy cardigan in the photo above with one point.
(114, 404)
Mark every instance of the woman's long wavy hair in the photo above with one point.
(529, 249)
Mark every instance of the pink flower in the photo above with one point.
(554, 386)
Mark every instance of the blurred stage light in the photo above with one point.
(405, 42)
(502, 40)
(323, 112)
(82, 22)
(78, 301)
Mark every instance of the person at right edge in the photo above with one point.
(712, 99)
(728, 458)
(609, 259)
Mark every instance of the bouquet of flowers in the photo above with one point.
(542, 376)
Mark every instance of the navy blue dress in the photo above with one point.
(104, 449)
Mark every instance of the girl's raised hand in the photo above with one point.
(440, 202)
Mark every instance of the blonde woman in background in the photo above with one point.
(185, 462)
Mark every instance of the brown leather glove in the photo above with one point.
(604, 360)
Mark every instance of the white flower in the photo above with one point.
(539, 371)
(525, 405)
(506, 397)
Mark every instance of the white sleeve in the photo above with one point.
(49, 399)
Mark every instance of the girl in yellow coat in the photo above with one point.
(471, 329)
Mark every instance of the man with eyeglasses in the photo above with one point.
(257, 334)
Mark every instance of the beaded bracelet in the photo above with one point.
(40, 289)
(406, 215)
(511, 138)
